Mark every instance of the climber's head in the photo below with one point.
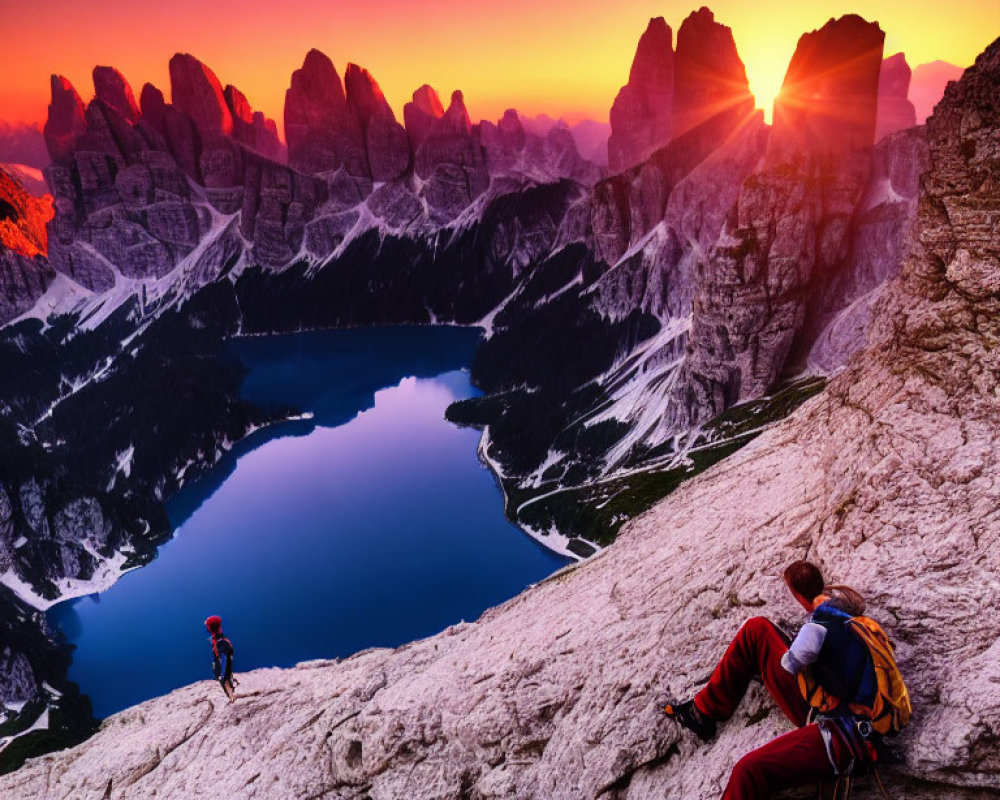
(805, 582)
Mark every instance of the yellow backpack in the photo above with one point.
(890, 711)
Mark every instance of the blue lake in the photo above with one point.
(372, 524)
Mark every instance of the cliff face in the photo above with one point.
(887, 479)
(709, 74)
(792, 223)
(322, 133)
(24, 273)
(758, 249)
(641, 116)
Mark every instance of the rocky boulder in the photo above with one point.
(641, 116)
(895, 111)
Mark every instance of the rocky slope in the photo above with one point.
(887, 478)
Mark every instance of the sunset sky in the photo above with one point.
(563, 57)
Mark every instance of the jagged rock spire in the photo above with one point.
(709, 76)
(641, 116)
(66, 122)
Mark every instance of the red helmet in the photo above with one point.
(214, 624)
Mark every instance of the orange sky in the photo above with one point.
(563, 57)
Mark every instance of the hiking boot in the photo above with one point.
(688, 716)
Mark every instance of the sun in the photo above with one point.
(766, 58)
(765, 75)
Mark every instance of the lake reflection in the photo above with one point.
(374, 532)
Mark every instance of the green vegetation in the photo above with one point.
(596, 511)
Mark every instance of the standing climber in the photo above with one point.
(853, 688)
(222, 649)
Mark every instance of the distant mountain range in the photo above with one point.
(22, 144)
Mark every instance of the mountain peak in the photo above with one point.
(427, 100)
(828, 99)
(66, 122)
(385, 139)
(420, 114)
(895, 111)
(320, 131)
(111, 87)
(195, 90)
(364, 94)
(457, 117)
(653, 53)
(642, 113)
(710, 76)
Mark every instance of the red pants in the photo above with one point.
(798, 757)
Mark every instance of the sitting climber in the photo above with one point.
(222, 648)
(834, 682)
